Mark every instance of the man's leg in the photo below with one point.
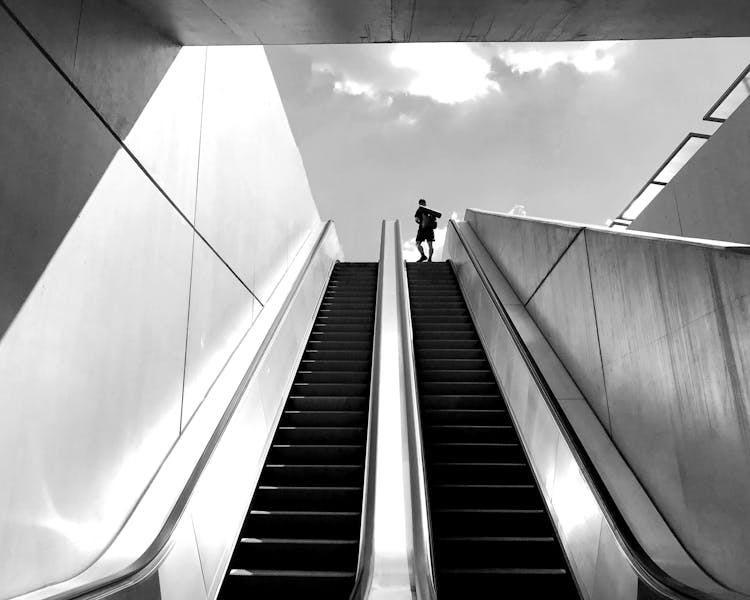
(429, 245)
(422, 258)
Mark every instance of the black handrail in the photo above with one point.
(644, 566)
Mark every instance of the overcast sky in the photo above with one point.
(568, 130)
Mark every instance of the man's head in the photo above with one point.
(422, 202)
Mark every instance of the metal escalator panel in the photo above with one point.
(301, 534)
(491, 532)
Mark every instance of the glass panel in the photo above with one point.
(683, 155)
(733, 100)
(642, 201)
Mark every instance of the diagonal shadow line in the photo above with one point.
(557, 261)
(120, 142)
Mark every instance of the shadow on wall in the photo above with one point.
(55, 151)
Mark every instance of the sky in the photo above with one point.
(560, 130)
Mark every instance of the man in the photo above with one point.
(427, 221)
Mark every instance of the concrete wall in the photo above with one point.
(150, 200)
(353, 21)
(655, 334)
(709, 196)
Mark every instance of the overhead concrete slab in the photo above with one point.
(210, 22)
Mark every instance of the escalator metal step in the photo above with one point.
(492, 536)
(301, 534)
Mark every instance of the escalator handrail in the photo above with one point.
(366, 558)
(422, 559)
(145, 563)
(643, 565)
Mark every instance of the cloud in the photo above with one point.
(409, 247)
(586, 57)
(448, 73)
(354, 88)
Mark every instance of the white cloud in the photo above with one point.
(354, 88)
(407, 120)
(586, 57)
(448, 73)
(409, 247)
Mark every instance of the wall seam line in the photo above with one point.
(192, 252)
(596, 328)
(677, 209)
(78, 34)
(121, 143)
(554, 265)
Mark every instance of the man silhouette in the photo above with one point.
(427, 220)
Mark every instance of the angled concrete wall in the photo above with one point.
(144, 222)
(708, 198)
(654, 333)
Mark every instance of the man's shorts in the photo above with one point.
(425, 234)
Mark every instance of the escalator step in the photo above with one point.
(296, 554)
(258, 583)
(301, 533)
(303, 524)
(492, 536)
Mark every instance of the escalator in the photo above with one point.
(301, 533)
(491, 533)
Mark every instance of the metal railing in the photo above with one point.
(421, 543)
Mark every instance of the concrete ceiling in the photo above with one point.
(215, 22)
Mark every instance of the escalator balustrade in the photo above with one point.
(301, 533)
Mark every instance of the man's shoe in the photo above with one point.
(422, 258)
(429, 259)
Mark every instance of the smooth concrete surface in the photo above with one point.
(254, 202)
(525, 249)
(118, 58)
(166, 136)
(248, 395)
(91, 381)
(93, 367)
(46, 173)
(672, 326)
(221, 312)
(708, 197)
(660, 216)
(601, 566)
(346, 21)
(573, 332)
